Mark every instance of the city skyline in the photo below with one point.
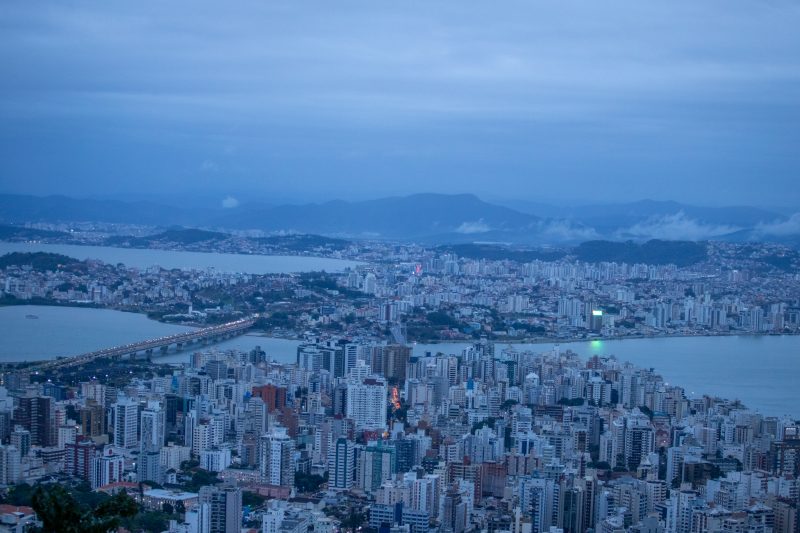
(419, 267)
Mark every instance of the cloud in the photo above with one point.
(229, 202)
(790, 226)
(468, 228)
(566, 231)
(677, 226)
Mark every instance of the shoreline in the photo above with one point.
(608, 339)
(179, 250)
(262, 333)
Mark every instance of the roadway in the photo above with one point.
(229, 329)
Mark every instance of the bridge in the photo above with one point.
(213, 333)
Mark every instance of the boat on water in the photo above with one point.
(32, 316)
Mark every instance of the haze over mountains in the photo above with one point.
(429, 218)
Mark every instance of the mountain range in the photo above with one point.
(430, 218)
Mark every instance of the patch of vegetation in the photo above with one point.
(253, 499)
(439, 318)
(308, 482)
(571, 402)
(278, 319)
(17, 233)
(303, 243)
(60, 512)
(38, 261)
(176, 235)
(320, 281)
(781, 262)
(654, 252)
(201, 478)
(529, 328)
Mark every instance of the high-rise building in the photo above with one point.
(10, 465)
(106, 468)
(67, 433)
(395, 358)
(202, 437)
(639, 441)
(223, 508)
(274, 397)
(21, 439)
(377, 463)
(366, 403)
(172, 456)
(153, 427)
(149, 467)
(78, 458)
(341, 464)
(37, 415)
(454, 512)
(93, 419)
(215, 459)
(277, 449)
(216, 369)
(126, 416)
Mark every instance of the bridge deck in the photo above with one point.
(235, 327)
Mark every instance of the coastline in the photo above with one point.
(180, 250)
(605, 339)
(537, 340)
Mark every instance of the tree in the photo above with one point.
(353, 520)
(190, 464)
(253, 499)
(308, 482)
(21, 494)
(572, 402)
(60, 512)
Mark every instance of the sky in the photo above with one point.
(555, 102)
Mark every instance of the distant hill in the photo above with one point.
(427, 218)
(22, 208)
(190, 236)
(417, 216)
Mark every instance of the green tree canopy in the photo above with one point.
(60, 512)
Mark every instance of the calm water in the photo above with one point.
(760, 371)
(65, 331)
(133, 257)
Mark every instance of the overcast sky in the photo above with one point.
(544, 101)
